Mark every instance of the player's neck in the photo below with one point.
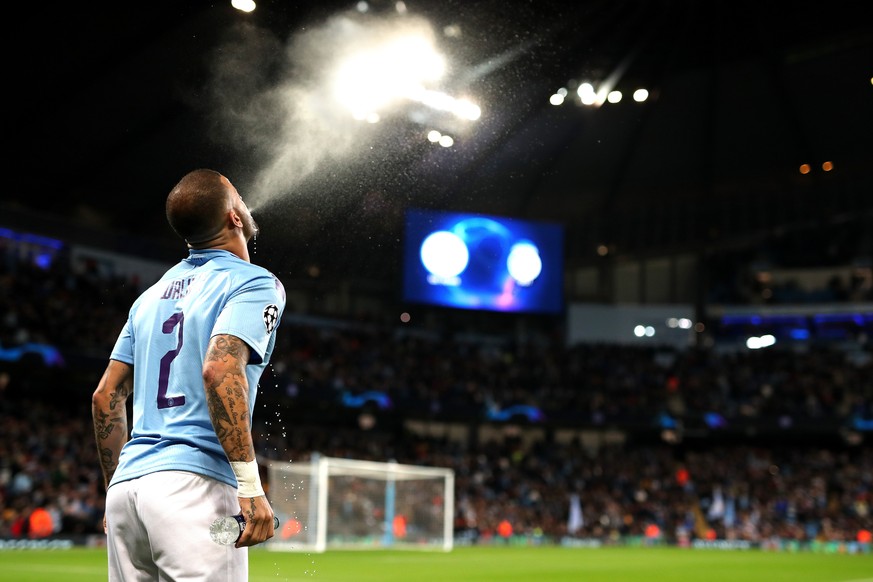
(236, 245)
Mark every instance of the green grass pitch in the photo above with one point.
(475, 564)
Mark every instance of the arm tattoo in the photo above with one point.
(109, 412)
(104, 423)
(227, 395)
(250, 510)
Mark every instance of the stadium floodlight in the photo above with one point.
(379, 75)
(335, 503)
(374, 77)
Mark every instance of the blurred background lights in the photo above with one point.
(644, 331)
(757, 343)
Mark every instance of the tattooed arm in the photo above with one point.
(227, 397)
(109, 413)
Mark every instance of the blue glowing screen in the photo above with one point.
(475, 261)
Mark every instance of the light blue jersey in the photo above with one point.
(165, 339)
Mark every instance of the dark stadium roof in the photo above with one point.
(109, 105)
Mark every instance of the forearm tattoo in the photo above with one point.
(110, 427)
(227, 396)
(250, 510)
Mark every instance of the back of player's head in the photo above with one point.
(197, 206)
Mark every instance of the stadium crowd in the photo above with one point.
(328, 371)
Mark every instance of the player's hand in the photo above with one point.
(259, 521)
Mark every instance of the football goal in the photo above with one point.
(332, 503)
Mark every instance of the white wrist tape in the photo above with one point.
(248, 479)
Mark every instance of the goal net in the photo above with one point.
(333, 503)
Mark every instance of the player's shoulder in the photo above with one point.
(257, 275)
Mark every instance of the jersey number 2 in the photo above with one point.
(164, 377)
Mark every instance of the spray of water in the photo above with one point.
(274, 100)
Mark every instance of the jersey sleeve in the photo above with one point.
(252, 313)
(123, 349)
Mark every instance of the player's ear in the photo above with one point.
(234, 219)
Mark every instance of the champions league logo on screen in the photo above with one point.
(483, 262)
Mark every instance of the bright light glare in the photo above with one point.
(446, 141)
(243, 5)
(614, 96)
(371, 80)
(587, 94)
(556, 99)
(756, 343)
(433, 136)
(444, 254)
(524, 262)
(641, 95)
(443, 102)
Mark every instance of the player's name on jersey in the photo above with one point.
(178, 288)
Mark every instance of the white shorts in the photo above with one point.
(158, 530)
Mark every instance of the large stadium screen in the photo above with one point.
(476, 261)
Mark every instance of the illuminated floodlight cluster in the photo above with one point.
(589, 96)
(676, 324)
(376, 80)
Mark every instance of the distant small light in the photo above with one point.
(804, 168)
(614, 96)
(639, 331)
(650, 331)
(362, 7)
(699, 327)
(400, 7)
(602, 250)
(556, 99)
(405, 317)
(243, 5)
(446, 141)
(641, 95)
(827, 166)
(433, 136)
(562, 91)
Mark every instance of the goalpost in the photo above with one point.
(335, 503)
